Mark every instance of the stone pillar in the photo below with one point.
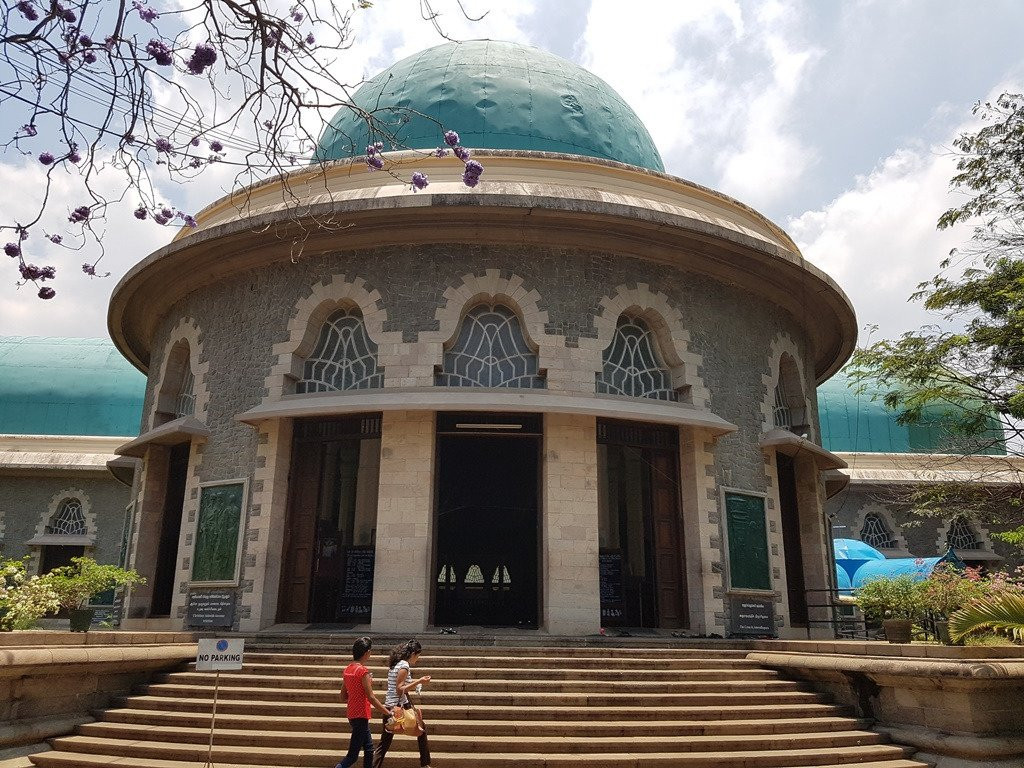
(814, 530)
(405, 513)
(702, 540)
(265, 521)
(572, 595)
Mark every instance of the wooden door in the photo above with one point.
(791, 545)
(300, 534)
(668, 546)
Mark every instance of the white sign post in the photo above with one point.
(217, 655)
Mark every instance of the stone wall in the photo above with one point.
(27, 502)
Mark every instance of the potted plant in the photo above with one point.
(23, 599)
(947, 590)
(77, 583)
(895, 602)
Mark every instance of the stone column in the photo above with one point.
(814, 529)
(702, 540)
(405, 512)
(572, 595)
(149, 515)
(266, 518)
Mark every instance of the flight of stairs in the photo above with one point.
(492, 708)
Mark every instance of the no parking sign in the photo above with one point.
(219, 654)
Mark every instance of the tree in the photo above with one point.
(971, 369)
(119, 94)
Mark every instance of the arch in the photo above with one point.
(666, 327)
(862, 521)
(963, 535)
(490, 349)
(50, 514)
(786, 397)
(181, 388)
(339, 294)
(344, 357)
(632, 364)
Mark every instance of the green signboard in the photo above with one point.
(220, 515)
(748, 542)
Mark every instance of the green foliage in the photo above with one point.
(23, 599)
(75, 584)
(891, 598)
(1004, 613)
(948, 589)
(973, 372)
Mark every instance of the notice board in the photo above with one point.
(748, 542)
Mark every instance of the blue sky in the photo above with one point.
(834, 119)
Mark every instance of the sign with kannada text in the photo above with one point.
(219, 654)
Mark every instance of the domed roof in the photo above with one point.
(496, 95)
(855, 422)
(56, 386)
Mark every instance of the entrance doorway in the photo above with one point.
(327, 573)
(170, 530)
(488, 535)
(790, 509)
(642, 567)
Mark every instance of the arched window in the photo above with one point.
(344, 357)
(962, 536)
(185, 405)
(631, 367)
(491, 351)
(68, 520)
(789, 408)
(176, 397)
(876, 533)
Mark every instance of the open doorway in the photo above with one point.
(487, 520)
(642, 569)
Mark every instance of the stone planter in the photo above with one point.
(81, 619)
(897, 630)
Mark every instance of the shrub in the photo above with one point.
(75, 584)
(23, 599)
(890, 598)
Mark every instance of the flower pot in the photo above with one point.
(897, 630)
(81, 619)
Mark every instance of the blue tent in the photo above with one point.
(843, 582)
(919, 568)
(851, 554)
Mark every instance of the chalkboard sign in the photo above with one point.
(220, 515)
(751, 616)
(748, 542)
(357, 597)
(613, 604)
(210, 609)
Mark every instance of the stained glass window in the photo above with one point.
(185, 404)
(962, 536)
(69, 520)
(344, 357)
(876, 533)
(491, 351)
(630, 366)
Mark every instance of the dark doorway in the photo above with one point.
(642, 567)
(327, 574)
(170, 529)
(487, 520)
(57, 556)
(795, 585)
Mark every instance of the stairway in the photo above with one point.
(491, 708)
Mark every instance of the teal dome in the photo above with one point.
(853, 422)
(496, 95)
(54, 386)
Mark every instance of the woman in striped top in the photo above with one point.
(400, 681)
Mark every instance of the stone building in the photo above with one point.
(65, 405)
(870, 499)
(577, 395)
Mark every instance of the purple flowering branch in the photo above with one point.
(143, 91)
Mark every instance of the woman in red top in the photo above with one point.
(358, 693)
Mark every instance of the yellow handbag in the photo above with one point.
(405, 721)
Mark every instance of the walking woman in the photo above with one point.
(400, 681)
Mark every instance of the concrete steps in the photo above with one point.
(491, 708)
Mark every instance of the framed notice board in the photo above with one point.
(218, 532)
(747, 539)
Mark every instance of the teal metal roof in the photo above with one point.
(58, 386)
(859, 422)
(496, 95)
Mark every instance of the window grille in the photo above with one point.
(630, 366)
(783, 415)
(876, 533)
(185, 404)
(491, 351)
(961, 536)
(344, 357)
(69, 520)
